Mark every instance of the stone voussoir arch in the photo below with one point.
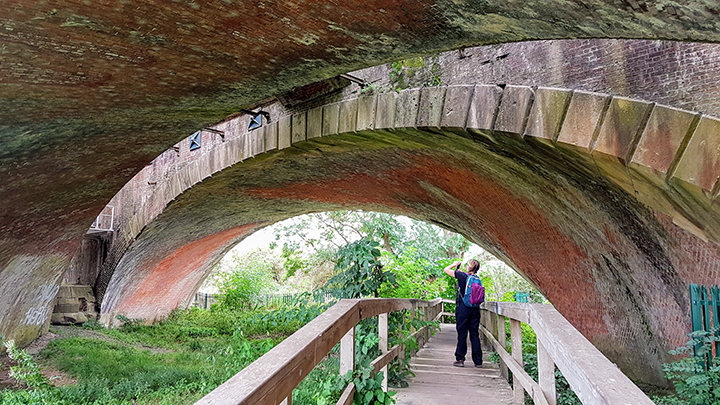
(655, 153)
(632, 142)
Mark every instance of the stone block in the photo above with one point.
(347, 121)
(547, 113)
(257, 140)
(284, 132)
(621, 128)
(406, 108)
(366, 113)
(457, 104)
(247, 146)
(331, 117)
(74, 318)
(385, 110)
(659, 143)
(582, 120)
(699, 164)
(299, 127)
(431, 106)
(270, 132)
(235, 150)
(514, 109)
(483, 107)
(314, 123)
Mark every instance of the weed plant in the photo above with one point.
(695, 373)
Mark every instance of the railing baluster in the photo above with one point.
(383, 335)
(502, 339)
(347, 352)
(516, 340)
(546, 373)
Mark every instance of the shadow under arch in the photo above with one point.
(584, 218)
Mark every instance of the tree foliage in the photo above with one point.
(360, 272)
(245, 278)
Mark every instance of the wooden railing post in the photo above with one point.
(347, 352)
(546, 374)
(516, 340)
(486, 320)
(383, 335)
(502, 339)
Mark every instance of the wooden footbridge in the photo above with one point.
(272, 378)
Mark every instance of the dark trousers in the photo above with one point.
(468, 320)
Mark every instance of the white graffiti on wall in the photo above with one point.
(38, 314)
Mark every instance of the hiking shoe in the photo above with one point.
(478, 365)
(459, 363)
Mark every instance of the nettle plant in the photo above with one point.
(696, 374)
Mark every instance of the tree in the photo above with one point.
(360, 271)
(243, 278)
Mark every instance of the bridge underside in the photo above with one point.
(90, 93)
(617, 270)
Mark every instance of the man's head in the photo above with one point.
(473, 266)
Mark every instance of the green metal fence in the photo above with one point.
(203, 300)
(705, 312)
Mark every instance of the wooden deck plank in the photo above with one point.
(437, 382)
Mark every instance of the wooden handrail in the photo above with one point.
(593, 378)
(271, 378)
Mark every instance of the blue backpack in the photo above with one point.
(474, 292)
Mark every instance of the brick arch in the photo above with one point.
(578, 191)
(91, 93)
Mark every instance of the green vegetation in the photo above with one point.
(415, 72)
(695, 374)
(177, 361)
(565, 395)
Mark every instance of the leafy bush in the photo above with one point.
(360, 271)
(696, 377)
(414, 277)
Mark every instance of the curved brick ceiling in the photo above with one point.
(93, 91)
